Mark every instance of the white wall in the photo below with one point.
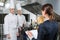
(55, 3)
(41, 1)
(32, 16)
(31, 1)
(58, 8)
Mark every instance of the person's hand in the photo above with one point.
(30, 35)
(17, 34)
(20, 29)
(8, 36)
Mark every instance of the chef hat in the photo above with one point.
(11, 1)
(12, 4)
(18, 6)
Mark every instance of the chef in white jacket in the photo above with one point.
(10, 24)
(21, 20)
(20, 17)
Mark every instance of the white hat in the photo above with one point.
(18, 6)
(12, 4)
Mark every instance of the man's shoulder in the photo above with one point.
(23, 16)
(7, 15)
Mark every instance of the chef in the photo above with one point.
(10, 24)
(21, 20)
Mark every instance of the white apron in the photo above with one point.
(10, 26)
(21, 20)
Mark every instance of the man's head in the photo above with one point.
(19, 12)
(18, 7)
(11, 10)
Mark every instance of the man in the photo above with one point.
(10, 24)
(21, 21)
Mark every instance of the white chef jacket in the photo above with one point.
(21, 20)
(10, 26)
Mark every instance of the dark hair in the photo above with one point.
(48, 10)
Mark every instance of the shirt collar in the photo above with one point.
(19, 15)
(45, 19)
(11, 14)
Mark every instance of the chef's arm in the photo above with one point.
(18, 25)
(6, 28)
(17, 30)
(25, 22)
(17, 33)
